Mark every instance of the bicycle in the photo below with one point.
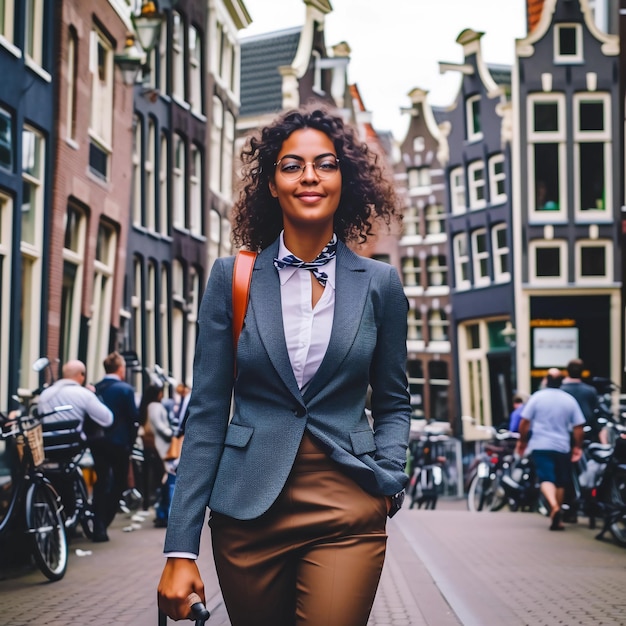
(34, 505)
(64, 449)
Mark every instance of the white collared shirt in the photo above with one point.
(307, 330)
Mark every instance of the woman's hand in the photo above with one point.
(180, 578)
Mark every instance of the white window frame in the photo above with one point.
(164, 318)
(607, 245)
(559, 244)
(474, 380)
(562, 59)
(472, 133)
(33, 31)
(480, 257)
(149, 309)
(557, 137)
(411, 222)
(457, 191)
(6, 247)
(164, 203)
(418, 177)
(215, 230)
(195, 191)
(433, 268)
(137, 196)
(178, 57)
(179, 175)
(476, 185)
(149, 165)
(500, 275)
(461, 260)
(71, 86)
(195, 71)
(438, 321)
(192, 308)
(435, 213)
(415, 324)
(76, 258)
(33, 175)
(7, 25)
(411, 271)
(604, 137)
(497, 178)
(228, 147)
(136, 307)
(102, 298)
(215, 174)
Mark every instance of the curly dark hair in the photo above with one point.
(366, 191)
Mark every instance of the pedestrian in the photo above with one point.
(555, 420)
(157, 434)
(86, 407)
(111, 453)
(298, 484)
(586, 396)
(519, 399)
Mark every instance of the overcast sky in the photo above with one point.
(397, 44)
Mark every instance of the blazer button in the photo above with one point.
(300, 411)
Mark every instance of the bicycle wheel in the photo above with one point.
(481, 493)
(44, 520)
(83, 504)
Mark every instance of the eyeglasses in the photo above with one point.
(292, 168)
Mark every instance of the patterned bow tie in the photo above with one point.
(328, 253)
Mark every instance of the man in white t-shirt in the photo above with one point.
(551, 420)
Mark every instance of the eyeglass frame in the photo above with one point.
(322, 176)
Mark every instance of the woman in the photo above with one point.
(157, 434)
(298, 483)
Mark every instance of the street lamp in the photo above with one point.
(147, 25)
(129, 60)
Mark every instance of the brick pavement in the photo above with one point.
(444, 567)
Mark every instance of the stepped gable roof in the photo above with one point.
(261, 82)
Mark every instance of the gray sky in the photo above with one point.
(397, 45)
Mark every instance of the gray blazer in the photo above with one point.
(239, 468)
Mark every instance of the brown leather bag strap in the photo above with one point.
(242, 276)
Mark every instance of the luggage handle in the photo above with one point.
(199, 612)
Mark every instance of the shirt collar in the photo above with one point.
(287, 272)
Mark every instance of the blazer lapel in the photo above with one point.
(351, 284)
(265, 305)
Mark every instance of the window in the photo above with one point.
(415, 375)
(178, 57)
(437, 271)
(137, 196)
(472, 112)
(410, 221)
(149, 307)
(497, 179)
(72, 64)
(33, 177)
(164, 316)
(548, 261)
(461, 261)
(501, 257)
(227, 154)
(592, 152)
(568, 43)
(195, 71)
(476, 177)
(546, 139)
(437, 325)
(474, 368)
(100, 127)
(435, 220)
(457, 190)
(71, 291)
(418, 177)
(439, 384)
(216, 144)
(415, 331)
(178, 317)
(214, 235)
(195, 191)
(6, 240)
(33, 39)
(164, 204)
(226, 58)
(6, 140)
(225, 244)
(594, 261)
(178, 182)
(7, 20)
(193, 306)
(136, 305)
(411, 271)
(149, 166)
(480, 257)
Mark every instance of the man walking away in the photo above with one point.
(554, 417)
(111, 454)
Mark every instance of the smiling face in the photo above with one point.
(311, 200)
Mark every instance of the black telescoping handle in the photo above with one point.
(199, 612)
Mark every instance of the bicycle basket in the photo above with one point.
(34, 436)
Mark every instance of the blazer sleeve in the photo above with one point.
(390, 403)
(208, 413)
